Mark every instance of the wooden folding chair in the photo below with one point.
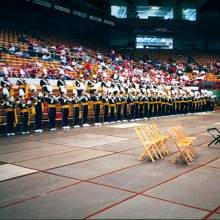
(183, 148)
(151, 137)
(162, 138)
(149, 150)
(185, 139)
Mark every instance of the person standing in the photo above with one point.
(65, 107)
(24, 106)
(51, 100)
(9, 105)
(37, 100)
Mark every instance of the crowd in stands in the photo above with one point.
(73, 61)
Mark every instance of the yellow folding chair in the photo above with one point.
(186, 139)
(183, 148)
(149, 150)
(150, 135)
(162, 138)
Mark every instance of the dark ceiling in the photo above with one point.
(104, 5)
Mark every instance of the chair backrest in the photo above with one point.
(173, 133)
(156, 130)
(148, 133)
(144, 134)
(175, 136)
(181, 132)
(214, 132)
(140, 134)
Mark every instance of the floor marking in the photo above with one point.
(127, 125)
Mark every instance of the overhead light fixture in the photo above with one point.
(155, 7)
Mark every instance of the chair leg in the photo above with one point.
(165, 148)
(155, 153)
(158, 150)
(188, 155)
(176, 158)
(151, 157)
(142, 157)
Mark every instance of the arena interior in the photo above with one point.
(109, 109)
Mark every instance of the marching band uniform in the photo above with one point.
(84, 101)
(9, 104)
(212, 102)
(146, 106)
(137, 116)
(105, 101)
(37, 109)
(76, 108)
(65, 108)
(163, 106)
(141, 100)
(125, 108)
(190, 99)
(151, 106)
(118, 108)
(112, 108)
(96, 107)
(65, 103)
(52, 101)
(131, 102)
(25, 115)
(159, 107)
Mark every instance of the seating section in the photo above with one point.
(161, 55)
(205, 58)
(10, 37)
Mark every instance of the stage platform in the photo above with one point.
(95, 173)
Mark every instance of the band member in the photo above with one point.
(131, 103)
(85, 108)
(118, 101)
(96, 107)
(146, 106)
(212, 101)
(105, 100)
(52, 102)
(141, 106)
(76, 108)
(137, 116)
(24, 109)
(125, 106)
(159, 106)
(9, 104)
(37, 108)
(112, 108)
(65, 107)
(163, 105)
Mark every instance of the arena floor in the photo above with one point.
(94, 173)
